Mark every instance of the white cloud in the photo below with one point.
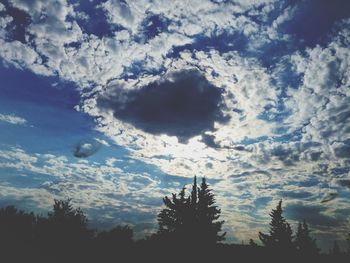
(13, 119)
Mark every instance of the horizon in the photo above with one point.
(117, 104)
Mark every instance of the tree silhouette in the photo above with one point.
(65, 230)
(305, 244)
(68, 221)
(280, 234)
(114, 243)
(192, 219)
(117, 236)
(208, 215)
(16, 234)
(173, 219)
(16, 227)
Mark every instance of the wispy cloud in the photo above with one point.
(13, 119)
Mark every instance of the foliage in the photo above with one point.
(280, 234)
(192, 219)
(305, 244)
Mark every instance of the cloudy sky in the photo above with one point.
(116, 103)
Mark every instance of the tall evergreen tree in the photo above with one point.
(192, 219)
(304, 243)
(172, 219)
(280, 234)
(208, 215)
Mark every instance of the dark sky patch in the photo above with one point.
(154, 24)
(223, 42)
(16, 30)
(183, 105)
(314, 20)
(97, 23)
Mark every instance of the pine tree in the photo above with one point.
(172, 219)
(303, 242)
(208, 215)
(192, 219)
(280, 234)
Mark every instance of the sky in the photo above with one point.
(117, 103)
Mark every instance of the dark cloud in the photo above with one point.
(86, 148)
(312, 214)
(184, 105)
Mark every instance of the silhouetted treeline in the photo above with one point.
(190, 229)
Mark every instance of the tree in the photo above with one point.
(305, 244)
(116, 242)
(67, 220)
(16, 227)
(192, 219)
(280, 234)
(16, 234)
(65, 229)
(208, 215)
(117, 236)
(172, 219)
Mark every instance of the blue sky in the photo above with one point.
(117, 103)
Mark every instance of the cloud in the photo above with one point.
(329, 197)
(12, 119)
(86, 148)
(314, 215)
(182, 104)
(277, 121)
